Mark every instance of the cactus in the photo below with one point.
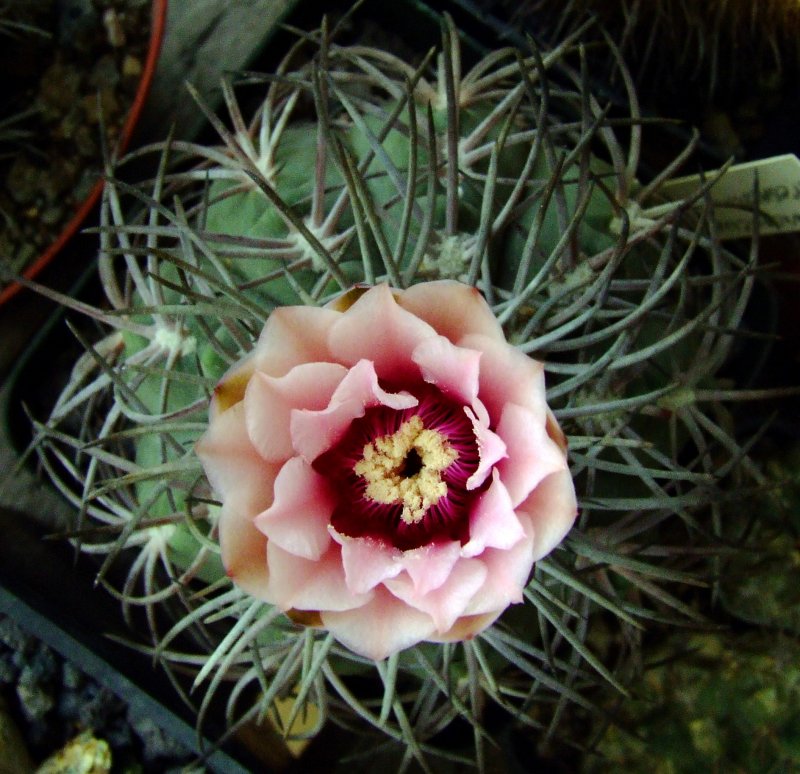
(710, 42)
(726, 66)
(729, 701)
(358, 168)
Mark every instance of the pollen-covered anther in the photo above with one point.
(406, 467)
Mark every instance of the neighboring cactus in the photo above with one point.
(723, 45)
(762, 585)
(728, 698)
(362, 168)
(729, 702)
(726, 66)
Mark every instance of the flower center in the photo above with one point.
(400, 477)
(405, 467)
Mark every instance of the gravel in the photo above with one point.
(52, 702)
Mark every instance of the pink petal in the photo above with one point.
(466, 627)
(507, 376)
(235, 470)
(361, 385)
(304, 584)
(555, 432)
(452, 308)
(367, 562)
(314, 432)
(344, 301)
(298, 518)
(381, 627)
(454, 370)
(532, 454)
(269, 402)
(429, 566)
(294, 335)
(231, 388)
(244, 481)
(377, 329)
(552, 508)
(492, 523)
(507, 573)
(244, 551)
(447, 602)
(491, 448)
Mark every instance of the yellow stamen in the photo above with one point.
(385, 462)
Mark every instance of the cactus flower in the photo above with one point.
(387, 467)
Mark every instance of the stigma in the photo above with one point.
(405, 467)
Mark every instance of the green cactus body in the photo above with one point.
(633, 318)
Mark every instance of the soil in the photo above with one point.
(70, 71)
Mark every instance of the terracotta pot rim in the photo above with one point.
(157, 28)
